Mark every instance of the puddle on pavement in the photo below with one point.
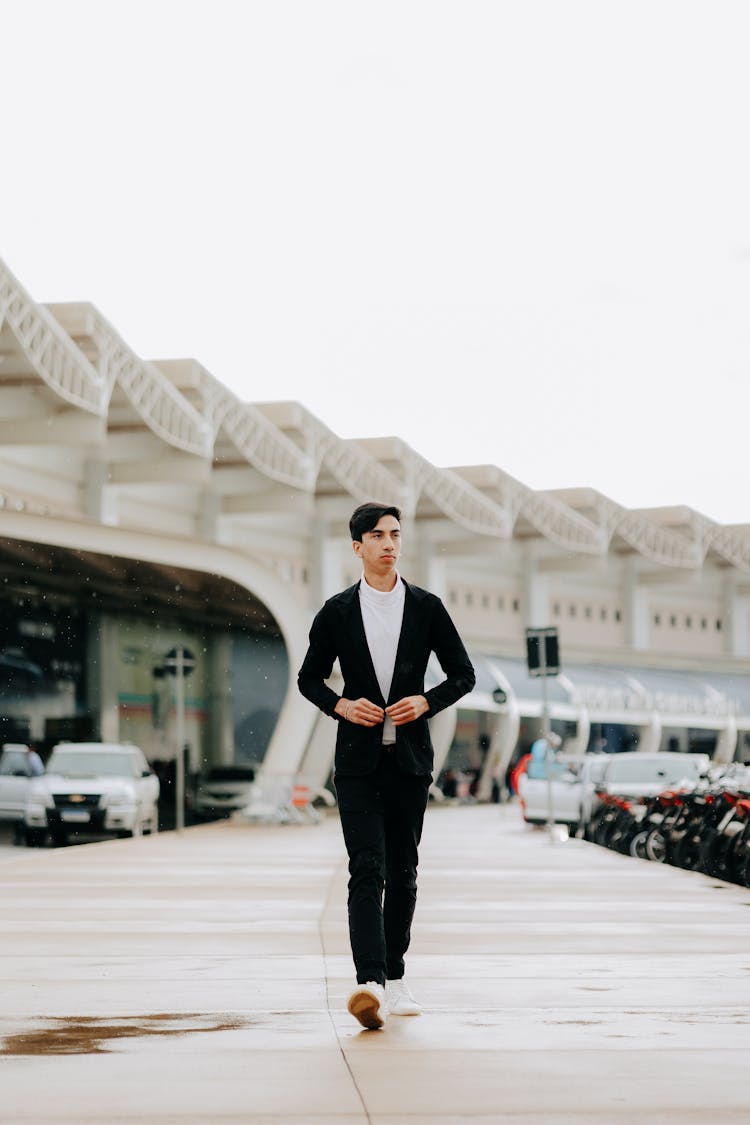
(90, 1035)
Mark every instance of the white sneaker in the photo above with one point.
(367, 1004)
(400, 1000)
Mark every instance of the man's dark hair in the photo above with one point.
(365, 517)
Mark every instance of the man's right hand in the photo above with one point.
(360, 711)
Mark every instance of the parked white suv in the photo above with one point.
(96, 788)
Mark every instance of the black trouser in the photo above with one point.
(381, 816)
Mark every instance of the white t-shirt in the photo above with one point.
(382, 614)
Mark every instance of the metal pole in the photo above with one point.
(179, 707)
(548, 748)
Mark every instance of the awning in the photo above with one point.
(627, 694)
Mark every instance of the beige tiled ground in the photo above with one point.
(203, 978)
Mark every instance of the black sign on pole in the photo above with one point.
(542, 652)
(179, 659)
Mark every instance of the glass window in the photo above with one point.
(650, 770)
(231, 773)
(90, 763)
(13, 762)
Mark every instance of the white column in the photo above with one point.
(426, 566)
(442, 729)
(636, 598)
(649, 734)
(208, 516)
(100, 498)
(103, 663)
(291, 736)
(221, 730)
(329, 554)
(726, 743)
(535, 597)
(735, 616)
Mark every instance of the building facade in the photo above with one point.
(142, 504)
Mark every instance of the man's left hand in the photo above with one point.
(407, 709)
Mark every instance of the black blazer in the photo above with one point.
(338, 632)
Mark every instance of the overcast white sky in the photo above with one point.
(514, 233)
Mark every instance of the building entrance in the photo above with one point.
(83, 637)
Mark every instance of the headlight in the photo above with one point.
(118, 798)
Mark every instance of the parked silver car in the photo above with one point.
(576, 780)
(17, 768)
(573, 784)
(222, 790)
(645, 775)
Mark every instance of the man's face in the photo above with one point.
(380, 548)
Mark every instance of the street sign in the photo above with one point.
(542, 652)
(179, 659)
(543, 659)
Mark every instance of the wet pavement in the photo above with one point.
(203, 978)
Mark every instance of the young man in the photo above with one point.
(382, 631)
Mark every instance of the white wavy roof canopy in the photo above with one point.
(189, 409)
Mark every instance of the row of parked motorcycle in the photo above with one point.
(700, 827)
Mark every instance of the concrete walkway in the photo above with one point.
(203, 978)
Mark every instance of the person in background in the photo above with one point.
(537, 766)
(35, 762)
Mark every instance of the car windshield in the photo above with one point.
(668, 771)
(14, 761)
(230, 773)
(88, 763)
